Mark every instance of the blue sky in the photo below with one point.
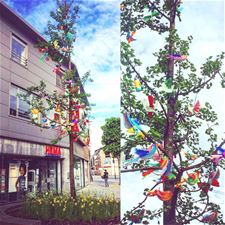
(97, 49)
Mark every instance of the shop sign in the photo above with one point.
(53, 151)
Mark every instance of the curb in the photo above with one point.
(15, 220)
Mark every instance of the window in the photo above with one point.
(59, 74)
(59, 81)
(19, 51)
(18, 107)
(24, 107)
(107, 160)
(13, 101)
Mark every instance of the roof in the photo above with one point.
(96, 152)
(28, 30)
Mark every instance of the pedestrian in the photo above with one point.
(106, 177)
(92, 174)
(21, 182)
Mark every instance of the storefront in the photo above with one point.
(81, 172)
(81, 166)
(43, 165)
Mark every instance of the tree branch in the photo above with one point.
(161, 149)
(200, 85)
(141, 203)
(202, 163)
(200, 214)
(182, 139)
(139, 169)
(178, 150)
(146, 84)
(159, 11)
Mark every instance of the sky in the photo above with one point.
(204, 20)
(96, 50)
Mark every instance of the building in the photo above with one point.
(100, 162)
(21, 142)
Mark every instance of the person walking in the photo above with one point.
(92, 174)
(106, 177)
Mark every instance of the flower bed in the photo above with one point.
(87, 208)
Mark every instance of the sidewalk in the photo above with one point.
(98, 186)
(14, 220)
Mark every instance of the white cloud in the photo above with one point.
(95, 136)
(98, 49)
(40, 15)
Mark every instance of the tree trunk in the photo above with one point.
(72, 178)
(114, 168)
(71, 150)
(169, 215)
(118, 159)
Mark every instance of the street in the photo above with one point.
(98, 186)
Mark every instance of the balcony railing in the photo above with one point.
(18, 58)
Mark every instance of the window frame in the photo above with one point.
(18, 88)
(58, 76)
(25, 45)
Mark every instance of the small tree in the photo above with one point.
(111, 138)
(67, 103)
(173, 125)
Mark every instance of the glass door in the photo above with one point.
(52, 176)
(43, 176)
(78, 173)
(13, 175)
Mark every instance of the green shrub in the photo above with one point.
(87, 207)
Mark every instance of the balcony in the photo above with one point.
(19, 58)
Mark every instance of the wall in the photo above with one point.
(12, 72)
(104, 162)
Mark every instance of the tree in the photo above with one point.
(111, 137)
(172, 126)
(68, 103)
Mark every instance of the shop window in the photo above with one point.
(18, 107)
(19, 51)
(86, 172)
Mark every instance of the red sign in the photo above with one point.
(53, 151)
